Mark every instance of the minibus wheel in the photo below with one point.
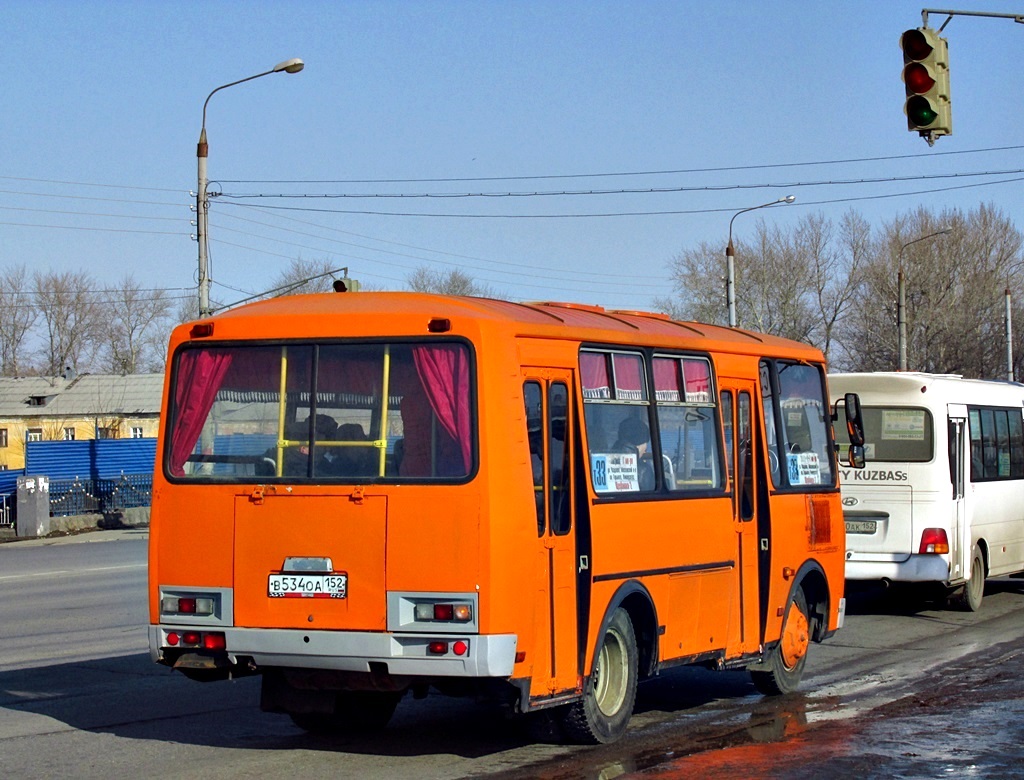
(353, 711)
(781, 671)
(969, 597)
(602, 714)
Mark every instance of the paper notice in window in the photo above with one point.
(803, 468)
(615, 472)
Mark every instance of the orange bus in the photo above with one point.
(362, 495)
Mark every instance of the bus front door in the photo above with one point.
(549, 418)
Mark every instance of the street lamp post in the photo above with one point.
(901, 303)
(293, 65)
(730, 258)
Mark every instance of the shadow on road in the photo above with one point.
(870, 598)
(132, 698)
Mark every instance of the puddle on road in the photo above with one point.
(950, 734)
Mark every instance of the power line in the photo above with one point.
(667, 172)
(578, 284)
(628, 191)
(96, 229)
(666, 212)
(88, 214)
(89, 184)
(532, 269)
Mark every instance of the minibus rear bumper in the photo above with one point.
(414, 655)
(903, 568)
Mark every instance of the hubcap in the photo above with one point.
(610, 674)
(795, 637)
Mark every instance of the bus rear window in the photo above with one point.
(893, 435)
(321, 412)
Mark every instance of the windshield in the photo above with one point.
(322, 412)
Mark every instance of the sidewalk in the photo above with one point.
(78, 537)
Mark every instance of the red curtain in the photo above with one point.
(698, 380)
(443, 370)
(197, 380)
(594, 375)
(666, 379)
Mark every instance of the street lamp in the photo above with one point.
(293, 65)
(901, 305)
(730, 258)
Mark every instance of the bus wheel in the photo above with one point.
(603, 713)
(969, 597)
(353, 711)
(780, 673)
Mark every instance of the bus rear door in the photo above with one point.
(737, 410)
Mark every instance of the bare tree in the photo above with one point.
(699, 275)
(188, 309)
(453, 282)
(17, 315)
(773, 279)
(68, 306)
(304, 276)
(139, 322)
(955, 285)
(835, 272)
(772, 286)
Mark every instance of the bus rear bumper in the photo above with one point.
(908, 568)
(491, 655)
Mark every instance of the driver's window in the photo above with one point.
(771, 440)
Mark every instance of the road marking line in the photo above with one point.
(60, 572)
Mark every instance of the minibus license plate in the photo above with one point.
(308, 586)
(861, 526)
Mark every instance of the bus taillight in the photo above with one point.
(934, 540)
(187, 605)
(214, 641)
(458, 613)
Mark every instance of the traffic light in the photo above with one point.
(926, 77)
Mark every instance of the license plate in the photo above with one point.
(308, 586)
(861, 526)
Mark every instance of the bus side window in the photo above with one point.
(727, 427)
(745, 468)
(535, 435)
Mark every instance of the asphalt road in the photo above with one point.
(892, 695)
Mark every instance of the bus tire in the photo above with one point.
(968, 598)
(602, 714)
(780, 673)
(353, 711)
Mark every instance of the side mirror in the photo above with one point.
(856, 456)
(854, 421)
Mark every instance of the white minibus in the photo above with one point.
(941, 499)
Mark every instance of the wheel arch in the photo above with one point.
(982, 546)
(812, 580)
(636, 600)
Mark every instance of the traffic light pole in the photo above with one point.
(1019, 18)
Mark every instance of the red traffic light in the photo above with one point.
(917, 78)
(915, 45)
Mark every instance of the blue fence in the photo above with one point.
(90, 459)
(97, 475)
(83, 496)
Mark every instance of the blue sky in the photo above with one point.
(102, 105)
